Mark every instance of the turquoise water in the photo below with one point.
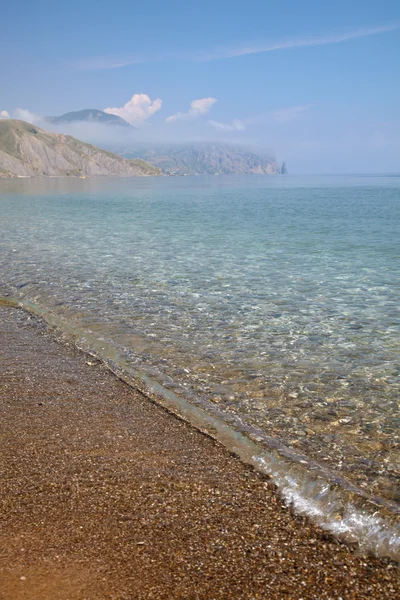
(276, 299)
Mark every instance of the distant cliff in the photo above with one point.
(207, 159)
(26, 150)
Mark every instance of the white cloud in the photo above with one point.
(90, 64)
(197, 108)
(222, 53)
(137, 110)
(23, 114)
(4, 115)
(236, 125)
(289, 44)
(284, 115)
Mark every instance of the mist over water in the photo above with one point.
(275, 299)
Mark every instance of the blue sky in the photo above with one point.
(316, 82)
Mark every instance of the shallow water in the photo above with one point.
(277, 299)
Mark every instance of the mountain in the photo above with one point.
(206, 159)
(26, 150)
(91, 115)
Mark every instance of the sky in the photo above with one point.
(316, 83)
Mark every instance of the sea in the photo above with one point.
(264, 309)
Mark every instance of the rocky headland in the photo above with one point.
(27, 150)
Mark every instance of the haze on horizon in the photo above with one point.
(316, 85)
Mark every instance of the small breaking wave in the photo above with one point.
(306, 486)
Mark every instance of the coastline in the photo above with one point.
(309, 488)
(107, 495)
(332, 416)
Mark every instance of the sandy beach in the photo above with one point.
(105, 495)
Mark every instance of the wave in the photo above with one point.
(309, 488)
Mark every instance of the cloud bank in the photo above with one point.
(282, 115)
(4, 115)
(197, 108)
(23, 114)
(137, 109)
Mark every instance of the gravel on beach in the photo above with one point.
(105, 495)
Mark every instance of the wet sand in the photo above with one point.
(105, 495)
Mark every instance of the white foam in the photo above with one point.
(325, 507)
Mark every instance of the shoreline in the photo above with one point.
(107, 495)
(309, 488)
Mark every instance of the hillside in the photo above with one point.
(90, 115)
(26, 150)
(207, 159)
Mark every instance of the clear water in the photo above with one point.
(276, 299)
